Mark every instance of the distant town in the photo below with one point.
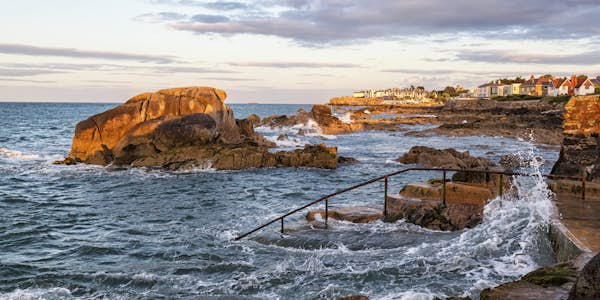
(507, 89)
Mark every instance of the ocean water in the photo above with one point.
(80, 232)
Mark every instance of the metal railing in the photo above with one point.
(385, 193)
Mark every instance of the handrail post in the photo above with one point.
(385, 195)
(326, 211)
(282, 225)
(444, 187)
(500, 186)
(583, 178)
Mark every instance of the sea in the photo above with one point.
(93, 232)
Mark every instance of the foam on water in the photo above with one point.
(17, 155)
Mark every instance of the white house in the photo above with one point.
(585, 87)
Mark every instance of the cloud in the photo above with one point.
(25, 72)
(159, 17)
(13, 69)
(497, 56)
(186, 69)
(314, 21)
(4, 79)
(29, 50)
(226, 5)
(216, 5)
(211, 19)
(228, 79)
(291, 64)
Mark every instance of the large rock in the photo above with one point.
(551, 283)
(447, 158)
(351, 101)
(184, 128)
(587, 285)
(580, 150)
(329, 124)
(354, 214)
(433, 214)
(105, 130)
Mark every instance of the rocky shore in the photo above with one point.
(537, 120)
(183, 128)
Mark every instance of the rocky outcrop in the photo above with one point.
(321, 114)
(580, 149)
(551, 282)
(447, 158)
(577, 279)
(351, 101)
(181, 128)
(432, 214)
(587, 285)
(354, 214)
(100, 133)
(466, 194)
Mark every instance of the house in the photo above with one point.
(561, 86)
(493, 89)
(515, 88)
(528, 87)
(582, 87)
(359, 94)
(596, 82)
(537, 87)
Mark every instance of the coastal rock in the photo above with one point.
(587, 285)
(254, 119)
(184, 128)
(433, 214)
(108, 128)
(329, 124)
(421, 204)
(354, 214)
(351, 101)
(447, 158)
(553, 282)
(580, 149)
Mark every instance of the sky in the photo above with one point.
(290, 51)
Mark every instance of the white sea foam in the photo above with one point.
(346, 118)
(17, 155)
(38, 293)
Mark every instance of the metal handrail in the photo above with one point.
(385, 178)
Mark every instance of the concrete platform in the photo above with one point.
(580, 217)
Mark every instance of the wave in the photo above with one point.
(17, 155)
(38, 293)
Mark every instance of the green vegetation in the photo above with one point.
(516, 98)
(556, 275)
(562, 100)
(511, 81)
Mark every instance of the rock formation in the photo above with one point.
(351, 101)
(447, 158)
(183, 127)
(580, 148)
(587, 285)
(320, 114)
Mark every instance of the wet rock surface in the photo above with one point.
(578, 279)
(587, 285)
(447, 158)
(580, 149)
(184, 128)
(354, 214)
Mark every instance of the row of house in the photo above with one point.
(542, 86)
(393, 93)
